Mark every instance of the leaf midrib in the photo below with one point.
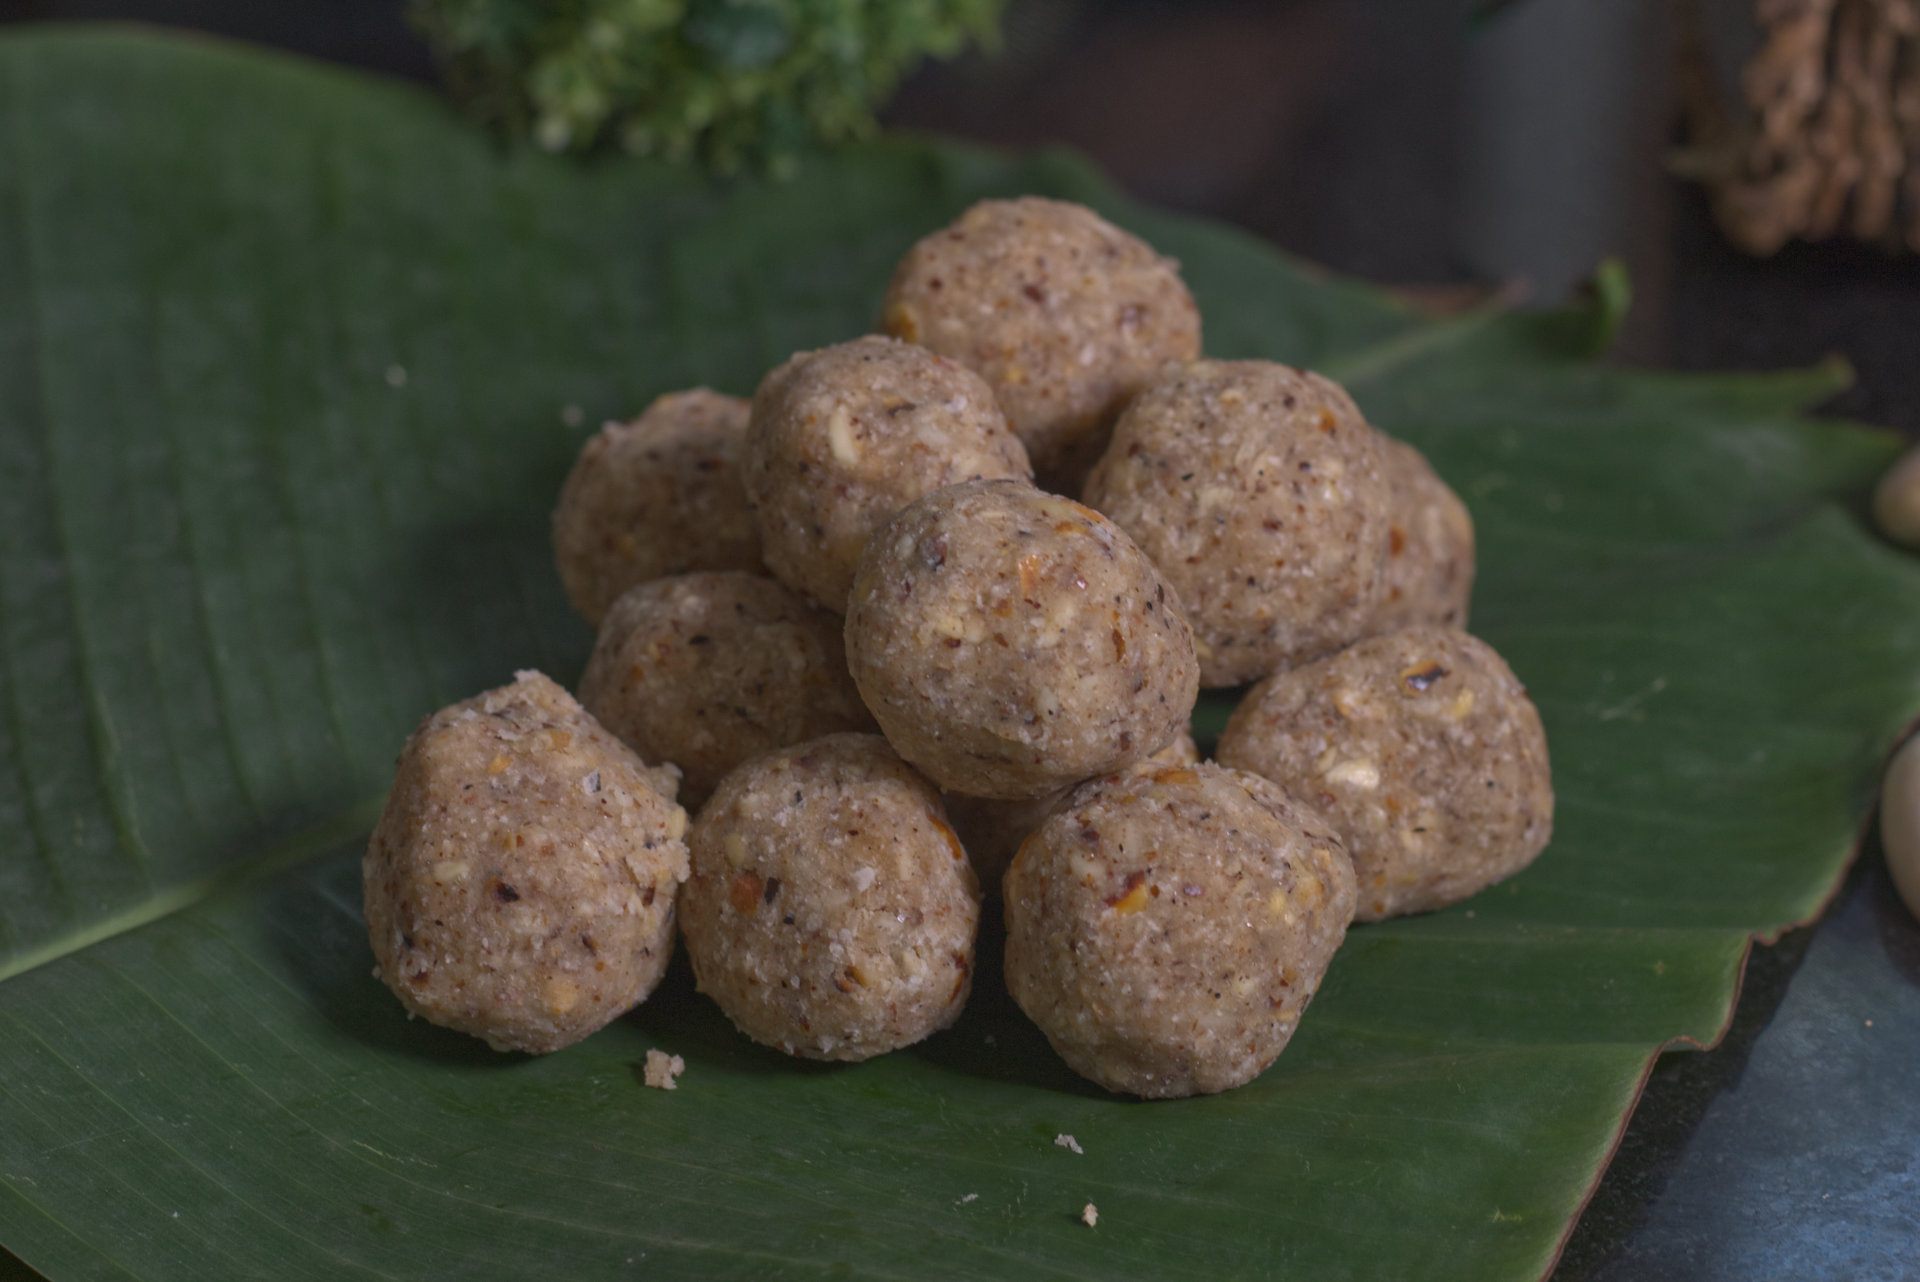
(355, 819)
(1376, 361)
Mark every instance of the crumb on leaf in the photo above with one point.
(662, 1069)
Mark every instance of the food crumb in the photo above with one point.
(971, 1197)
(1069, 1143)
(662, 1068)
(1869, 1023)
(396, 376)
(572, 415)
(1090, 1215)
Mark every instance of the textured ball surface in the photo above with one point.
(657, 496)
(831, 912)
(706, 670)
(1423, 750)
(1260, 493)
(1430, 558)
(1167, 926)
(1063, 314)
(842, 438)
(520, 884)
(991, 831)
(1011, 642)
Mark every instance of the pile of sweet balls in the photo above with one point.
(883, 668)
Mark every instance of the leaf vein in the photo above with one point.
(118, 795)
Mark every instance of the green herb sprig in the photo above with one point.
(730, 82)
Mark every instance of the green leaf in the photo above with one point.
(291, 365)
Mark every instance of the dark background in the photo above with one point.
(1399, 141)
(1396, 140)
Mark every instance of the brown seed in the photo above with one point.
(744, 894)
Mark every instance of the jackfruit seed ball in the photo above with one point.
(1429, 546)
(831, 912)
(657, 496)
(1259, 492)
(991, 831)
(1011, 642)
(1064, 315)
(520, 882)
(842, 438)
(1167, 926)
(1425, 753)
(706, 670)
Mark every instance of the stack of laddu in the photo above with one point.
(843, 621)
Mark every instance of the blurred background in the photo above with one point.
(1419, 144)
(1443, 152)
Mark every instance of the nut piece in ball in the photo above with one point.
(1896, 500)
(842, 438)
(1423, 750)
(520, 882)
(1011, 642)
(831, 912)
(706, 670)
(660, 495)
(1900, 822)
(1429, 546)
(1064, 314)
(1167, 926)
(1259, 492)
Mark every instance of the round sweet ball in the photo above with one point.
(706, 670)
(1011, 642)
(1167, 926)
(1423, 750)
(831, 912)
(1063, 314)
(1260, 493)
(842, 438)
(520, 883)
(657, 496)
(1430, 563)
(991, 831)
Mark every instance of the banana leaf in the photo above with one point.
(291, 365)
